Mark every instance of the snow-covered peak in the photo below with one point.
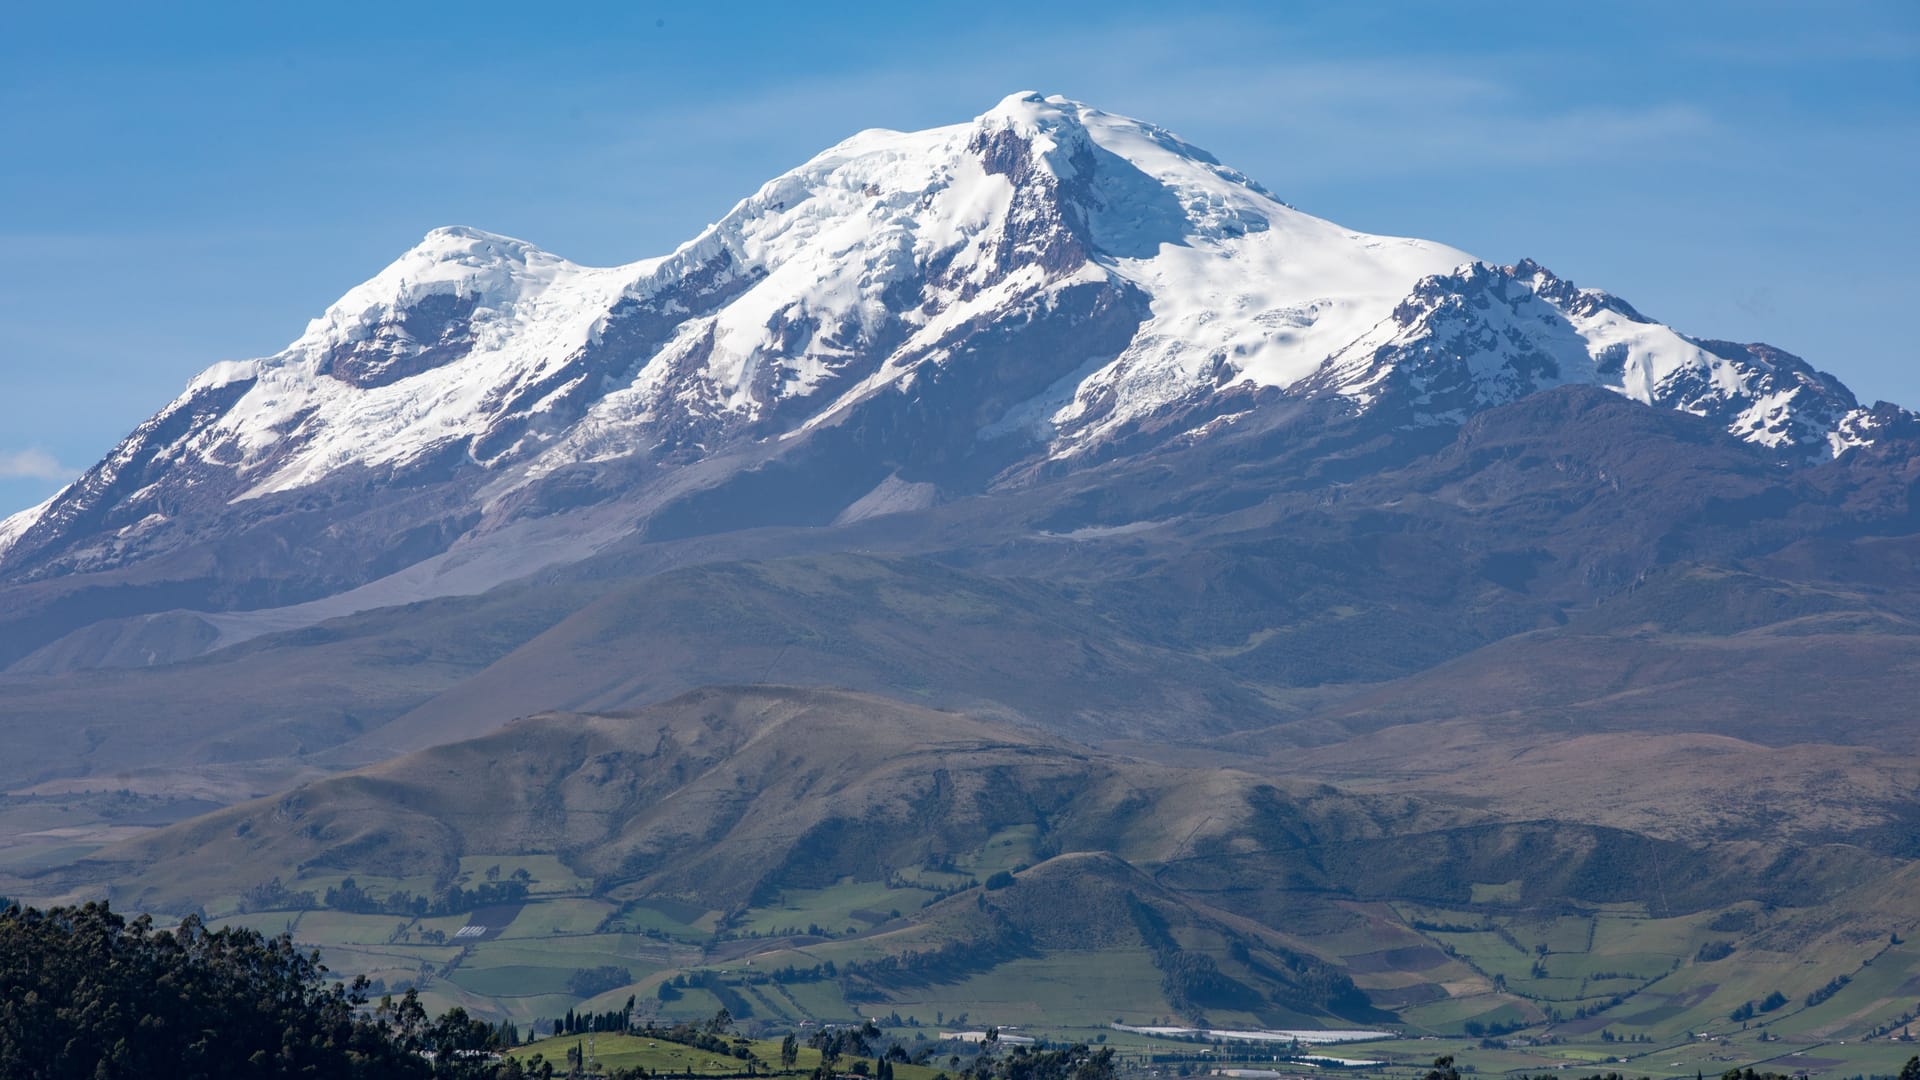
(1028, 111)
(451, 259)
(835, 281)
(454, 261)
(1047, 130)
(465, 268)
(1046, 280)
(1484, 335)
(409, 360)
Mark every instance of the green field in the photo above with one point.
(561, 915)
(667, 918)
(847, 908)
(513, 980)
(1504, 988)
(547, 875)
(1488, 978)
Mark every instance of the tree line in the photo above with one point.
(581, 1022)
(86, 994)
(452, 899)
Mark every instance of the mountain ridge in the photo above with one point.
(1037, 289)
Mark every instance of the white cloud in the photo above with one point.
(32, 464)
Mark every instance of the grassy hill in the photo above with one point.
(810, 855)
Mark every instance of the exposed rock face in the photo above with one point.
(432, 333)
(118, 499)
(1486, 335)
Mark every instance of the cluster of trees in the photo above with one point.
(1557, 1016)
(452, 900)
(838, 1042)
(89, 995)
(1306, 984)
(1076, 1062)
(1734, 921)
(1832, 987)
(1428, 926)
(579, 1023)
(1191, 981)
(274, 895)
(705, 1036)
(816, 973)
(1713, 950)
(1494, 1029)
(811, 930)
(1898, 1023)
(1748, 1010)
(587, 982)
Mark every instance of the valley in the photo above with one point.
(759, 850)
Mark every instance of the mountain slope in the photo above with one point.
(717, 795)
(906, 319)
(1306, 578)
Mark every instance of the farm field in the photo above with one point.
(847, 908)
(1503, 988)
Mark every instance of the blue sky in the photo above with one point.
(181, 184)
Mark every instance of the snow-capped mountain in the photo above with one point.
(927, 313)
(1485, 335)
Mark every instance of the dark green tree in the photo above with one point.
(86, 993)
(790, 1051)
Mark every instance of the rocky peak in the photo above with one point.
(1564, 294)
(1484, 335)
(1048, 159)
(1029, 132)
